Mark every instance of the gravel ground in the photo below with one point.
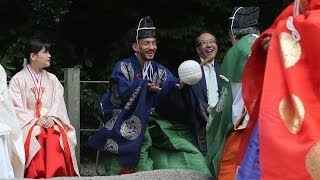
(88, 172)
(89, 169)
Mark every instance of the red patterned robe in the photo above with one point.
(282, 90)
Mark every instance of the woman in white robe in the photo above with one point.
(12, 157)
(37, 95)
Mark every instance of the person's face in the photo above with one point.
(207, 45)
(146, 49)
(41, 59)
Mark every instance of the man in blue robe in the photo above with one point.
(152, 120)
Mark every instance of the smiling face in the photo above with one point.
(207, 45)
(145, 49)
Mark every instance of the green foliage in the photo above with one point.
(48, 13)
(40, 18)
(13, 57)
(90, 97)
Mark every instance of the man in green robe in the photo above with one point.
(229, 116)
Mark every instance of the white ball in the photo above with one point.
(190, 72)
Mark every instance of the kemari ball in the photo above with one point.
(190, 72)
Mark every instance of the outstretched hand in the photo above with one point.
(180, 85)
(152, 87)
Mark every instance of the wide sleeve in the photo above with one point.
(122, 82)
(19, 101)
(170, 99)
(58, 108)
(3, 83)
(240, 117)
(203, 104)
(167, 82)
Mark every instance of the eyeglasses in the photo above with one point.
(205, 43)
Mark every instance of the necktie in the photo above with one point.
(212, 85)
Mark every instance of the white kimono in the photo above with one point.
(52, 105)
(12, 157)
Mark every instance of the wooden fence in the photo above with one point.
(72, 98)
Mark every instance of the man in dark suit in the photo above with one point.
(207, 89)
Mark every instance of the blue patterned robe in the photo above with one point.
(129, 105)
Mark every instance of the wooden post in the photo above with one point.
(72, 98)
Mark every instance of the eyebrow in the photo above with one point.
(149, 41)
(200, 42)
(208, 40)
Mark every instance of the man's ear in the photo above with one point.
(197, 49)
(233, 39)
(135, 47)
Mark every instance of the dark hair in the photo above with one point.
(34, 46)
(196, 43)
(130, 36)
(128, 39)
